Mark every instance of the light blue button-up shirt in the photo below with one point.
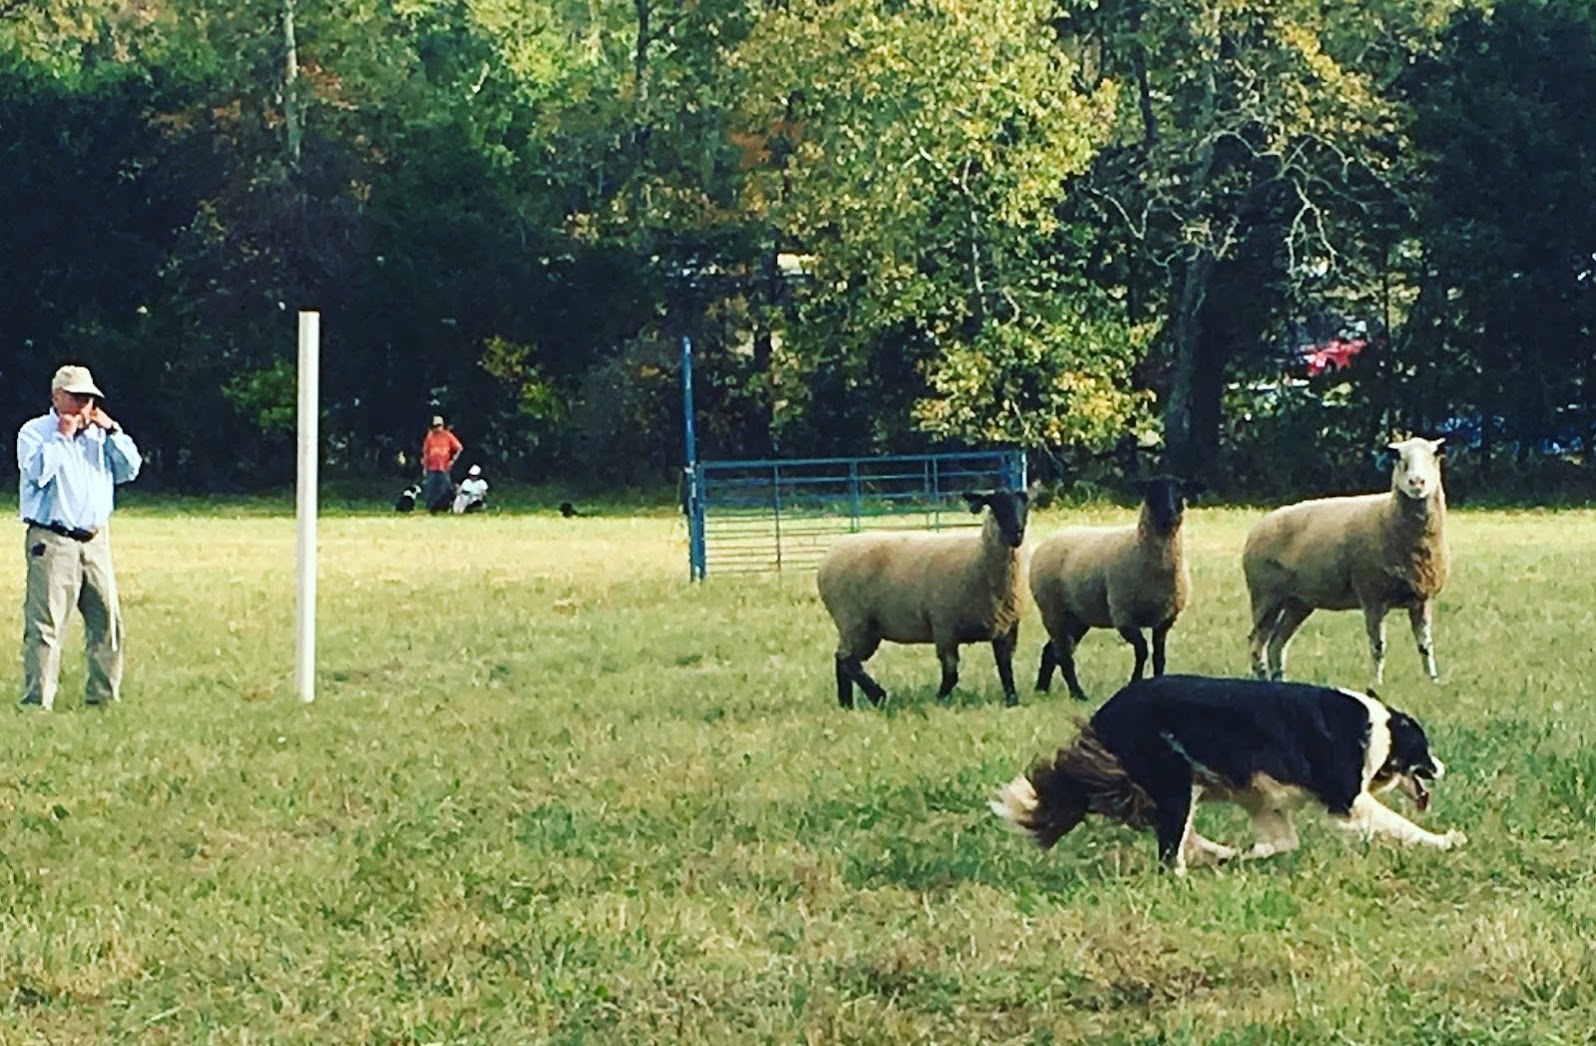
(69, 479)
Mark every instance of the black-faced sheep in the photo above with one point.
(1374, 551)
(943, 588)
(1126, 578)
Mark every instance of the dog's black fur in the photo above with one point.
(406, 501)
(1162, 743)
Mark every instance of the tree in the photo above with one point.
(915, 158)
(1252, 130)
(1508, 265)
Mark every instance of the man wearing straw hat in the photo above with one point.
(70, 460)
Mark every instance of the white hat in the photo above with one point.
(437, 421)
(474, 470)
(75, 379)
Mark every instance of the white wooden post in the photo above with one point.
(305, 502)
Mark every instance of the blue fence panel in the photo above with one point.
(783, 514)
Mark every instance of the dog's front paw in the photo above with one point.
(1453, 839)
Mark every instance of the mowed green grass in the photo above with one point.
(551, 792)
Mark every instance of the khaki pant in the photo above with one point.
(63, 572)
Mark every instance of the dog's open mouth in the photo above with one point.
(1420, 791)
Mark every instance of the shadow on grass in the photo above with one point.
(921, 700)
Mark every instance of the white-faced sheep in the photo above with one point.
(1126, 578)
(1374, 551)
(944, 589)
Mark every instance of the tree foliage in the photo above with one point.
(916, 156)
(884, 225)
(1508, 262)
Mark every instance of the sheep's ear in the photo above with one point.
(1393, 446)
(1436, 447)
(975, 499)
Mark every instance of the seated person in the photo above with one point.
(473, 494)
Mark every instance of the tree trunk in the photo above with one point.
(293, 123)
(1184, 414)
(767, 300)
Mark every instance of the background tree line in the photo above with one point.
(1096, 230)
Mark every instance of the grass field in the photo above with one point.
(552, 793)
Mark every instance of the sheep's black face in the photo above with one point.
(1010, 510)
(1165, 498)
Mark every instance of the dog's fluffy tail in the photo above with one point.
(1083, 777)
(1018, 803)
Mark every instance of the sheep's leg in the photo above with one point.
(1263, 627)
(850, 670)
(1044, 671)
(1071, 680)
(1066, 658)
(1419, 616)
(1160, 636)
(853, 651)
(949, 658)
(1292, 615)
(1133, 636)
(1374, 624)
(1060, 650)
(1003, 652)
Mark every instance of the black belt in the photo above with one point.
(75, 533)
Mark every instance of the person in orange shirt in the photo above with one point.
(440, 448)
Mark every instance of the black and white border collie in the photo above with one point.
(1162, 745)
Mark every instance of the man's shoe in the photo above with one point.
(32, 701)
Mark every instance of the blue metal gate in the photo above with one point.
(784, 514)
